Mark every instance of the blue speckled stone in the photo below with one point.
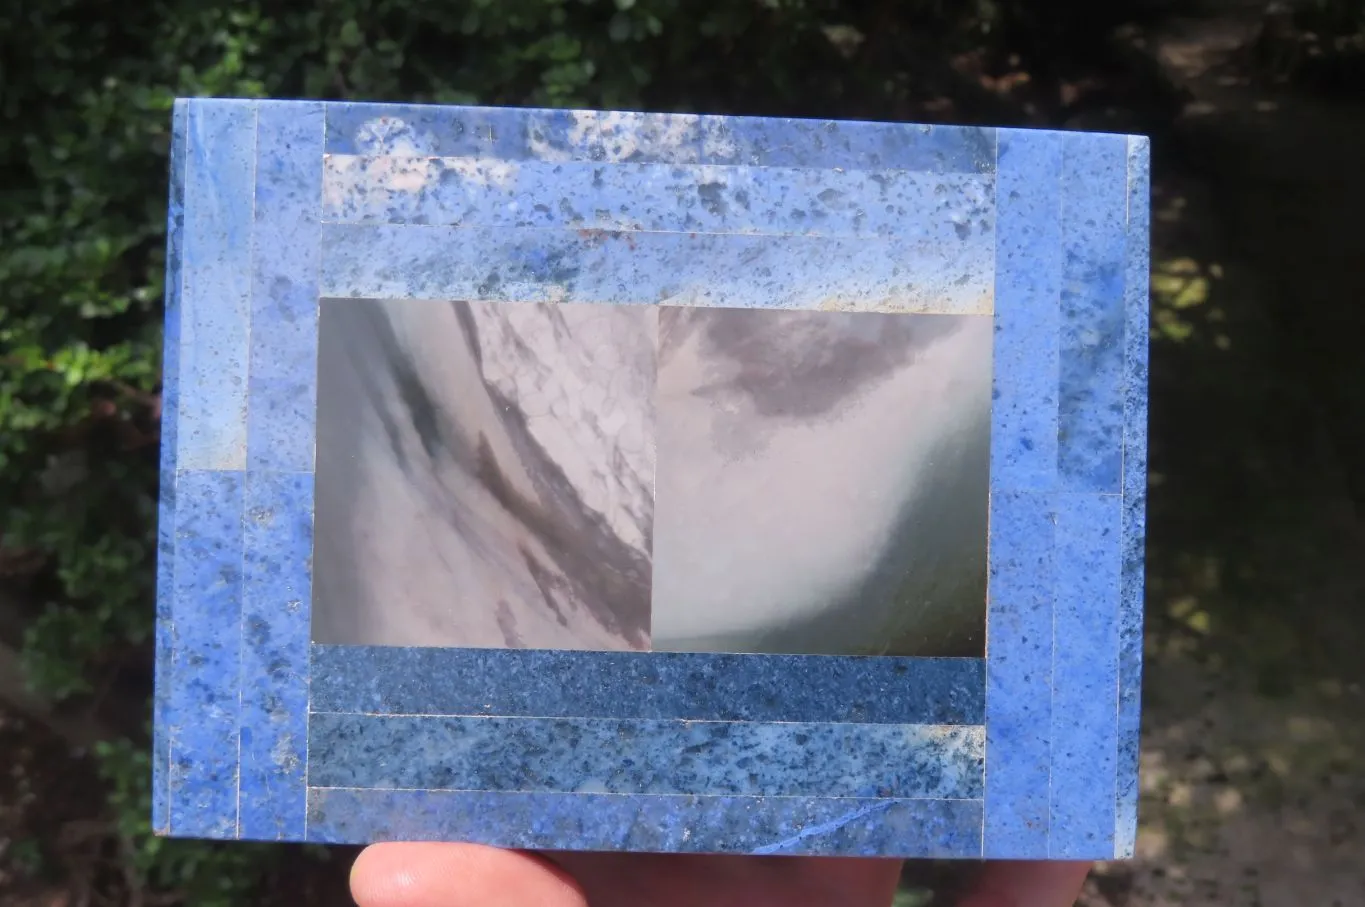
(527, 265)
(784, 142)
(205, 673)
(376, 129)
(277, 598)
(1085, 675)
(284, 289)
(1090, 394)
(627, 137)
(663, 685)
(595, 755)
(165, 532)
(1028, 290)
(216, 274)
(1135, 342)
(946, 209)
(510, 205)
(686, 824)
(1019, 675)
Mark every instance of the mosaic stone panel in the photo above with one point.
(279, 209)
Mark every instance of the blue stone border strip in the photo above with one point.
(388, 261)
(1028, 290)
(277, 599)
(282, 379)
(216, 273)
(207, 615)
(284, 300)
(1094, 244)
(632, 756)
(208, 333)
(1024, 440)
(1069, 297)
(385, 680)
(1067, 470)
(1081, 813)
(625, 137)
(1019, 676)
(162, 716)
(934, 829)
(1136, 339)
(945, 209)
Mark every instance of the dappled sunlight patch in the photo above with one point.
(1183, 300)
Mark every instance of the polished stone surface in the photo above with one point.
(278, 206)
(901, 273)
(822, 482)
(485, 474)
(760, 826)
(596, 477)
(392, 680)
(646, 756)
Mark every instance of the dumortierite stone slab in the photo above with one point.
(410, 680)
(620, 481)
(605, 756)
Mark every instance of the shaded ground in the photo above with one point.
(1254, 750)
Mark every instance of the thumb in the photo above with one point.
(1028, 884)
(458, 875)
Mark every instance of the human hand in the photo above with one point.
(466, 875)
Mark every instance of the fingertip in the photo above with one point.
(458, 875)
(1034, 883)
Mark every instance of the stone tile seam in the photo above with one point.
(611, 231)
(673, 796)
(175, 475)
(605, 718)
(316, 252)
(251, 293)
(1052, 513)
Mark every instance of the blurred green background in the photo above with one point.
(1253, 786)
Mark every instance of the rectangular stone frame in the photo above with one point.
(1029, 753)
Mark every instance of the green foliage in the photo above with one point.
(206, 875)
(1333, 17)
(86, 90)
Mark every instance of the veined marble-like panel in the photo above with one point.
(487, 478)
(484, 474)
(822, 483)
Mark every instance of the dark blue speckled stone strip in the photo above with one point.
(577, 136)
(1135, 334)
(941, 829)
(642, 685)
(165, 538)
(613, 756)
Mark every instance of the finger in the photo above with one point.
(458, 875)
(617, 880)
(1028, 884)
